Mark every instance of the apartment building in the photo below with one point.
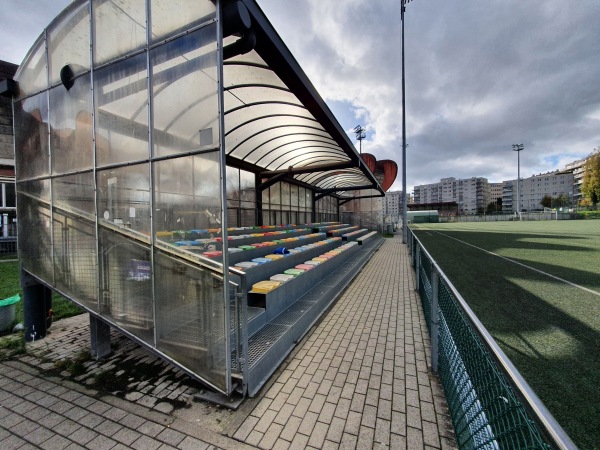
(392, 205)
(471, 195)
(534, 188)
(8, 205)
(578, 169)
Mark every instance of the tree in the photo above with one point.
(590, 188)
(546, 201)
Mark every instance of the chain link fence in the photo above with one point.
(491, 405)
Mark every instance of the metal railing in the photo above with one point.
(491, 405)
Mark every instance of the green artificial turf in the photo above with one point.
(548, 328)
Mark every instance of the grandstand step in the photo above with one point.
(361, 240)
(265, 271)
(271, 345)
(281, 298)
(354, 235)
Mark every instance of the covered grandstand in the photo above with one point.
(161, 145)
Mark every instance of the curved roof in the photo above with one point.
(276, 120)
(276, 124)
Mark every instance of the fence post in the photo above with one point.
(417, 266)
(435, 319)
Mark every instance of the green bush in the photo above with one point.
(589, 214)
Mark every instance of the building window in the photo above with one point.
(7, 195)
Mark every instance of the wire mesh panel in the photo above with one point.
(425, 285)
(75, 268)
(487, 410)
(35, 238)
(190, 316)
(126, 284)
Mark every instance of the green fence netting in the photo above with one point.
(485, 408)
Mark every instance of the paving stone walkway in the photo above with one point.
(359, 379)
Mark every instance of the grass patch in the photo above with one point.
(75, 366)
(11, 346)
(549, 329)
(11, 285)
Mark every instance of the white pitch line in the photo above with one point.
(522, 265)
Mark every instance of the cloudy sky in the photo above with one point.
(480, 76)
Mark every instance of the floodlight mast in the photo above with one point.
(404, 206)
(360, 133)
(518, 148)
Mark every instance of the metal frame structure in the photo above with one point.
(127, 120)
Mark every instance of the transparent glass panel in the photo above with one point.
(248, 189)
(190, 317)
(69, 41)
(310, 153)
(294, 196)
(250, 57)
(301, 198)
(31, 137)
(233, 184)
(119, 28)
(275, 194)
(32, 74)
(121, 100)
(285, 194)
(252, 111)
(248, 217)
(187, 194)
(262, 123)
(124, 197)
(71, 144)
(75, 263)
(126, 284)
(242, 74)
(304, 157)
(282, 146)
(34, 224)
(232, 217)
(75, 194)
(251, 94)
(174, 16)
(184, 87)
(308, 200)
(263, 135)
(265, 199)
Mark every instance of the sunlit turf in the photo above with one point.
(548, 328)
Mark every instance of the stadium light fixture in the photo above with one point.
(360, 133)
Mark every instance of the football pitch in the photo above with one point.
(535, 286)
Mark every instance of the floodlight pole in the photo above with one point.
(404, 215)
(518, 148)
(360, 133)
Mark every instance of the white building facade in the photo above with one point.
(535, 188)
(471, 194)
(392, 205)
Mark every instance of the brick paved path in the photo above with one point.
(361, 379)
(37, 412)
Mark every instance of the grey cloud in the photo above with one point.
(480, 77)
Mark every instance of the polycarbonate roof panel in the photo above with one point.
(275, 119)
